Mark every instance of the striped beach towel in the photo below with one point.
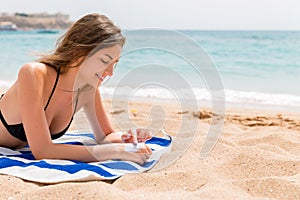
(21, 163)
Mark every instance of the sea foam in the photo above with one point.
(202, 94)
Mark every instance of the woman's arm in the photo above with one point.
(30, 85)
(96, 114)
(102, 128)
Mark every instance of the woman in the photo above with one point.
(40, 105)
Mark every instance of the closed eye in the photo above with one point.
(105, 62)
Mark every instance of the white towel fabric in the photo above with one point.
(21, 163)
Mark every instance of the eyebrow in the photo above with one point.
(108, 56)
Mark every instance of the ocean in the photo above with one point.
(252, 68)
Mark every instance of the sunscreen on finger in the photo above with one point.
(134, 134)
(133, 148)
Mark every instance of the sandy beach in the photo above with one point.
(257, 157)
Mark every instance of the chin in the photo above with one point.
(98, 84)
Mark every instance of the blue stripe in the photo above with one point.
(148, 164)
(71, 169)
(90, 135)
(159, 141)
(26, 155)
(120, 165)
(126, 166)
(73, 143)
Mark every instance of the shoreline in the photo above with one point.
(208, 104)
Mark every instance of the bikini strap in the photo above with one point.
(52, 92)
(76, 103)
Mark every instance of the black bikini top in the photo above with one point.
(17, 130)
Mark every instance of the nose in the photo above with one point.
(109, 70)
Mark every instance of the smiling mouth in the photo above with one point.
(101, 78)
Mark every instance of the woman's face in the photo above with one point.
(96, 68)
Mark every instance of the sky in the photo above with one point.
(172, 14)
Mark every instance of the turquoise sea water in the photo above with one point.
(256, 67)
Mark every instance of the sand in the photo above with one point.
(256, 157)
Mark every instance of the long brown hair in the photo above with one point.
(86, 36)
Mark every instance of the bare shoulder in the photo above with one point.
(32, 72)
(32, 79)
(33, 68)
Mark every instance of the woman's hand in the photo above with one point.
(138, 154)
(136, 135)
(123, 151)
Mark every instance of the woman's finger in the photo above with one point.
(148, 149)
(143, 135)
(125, 136)
(134, 135)
(147, 155)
